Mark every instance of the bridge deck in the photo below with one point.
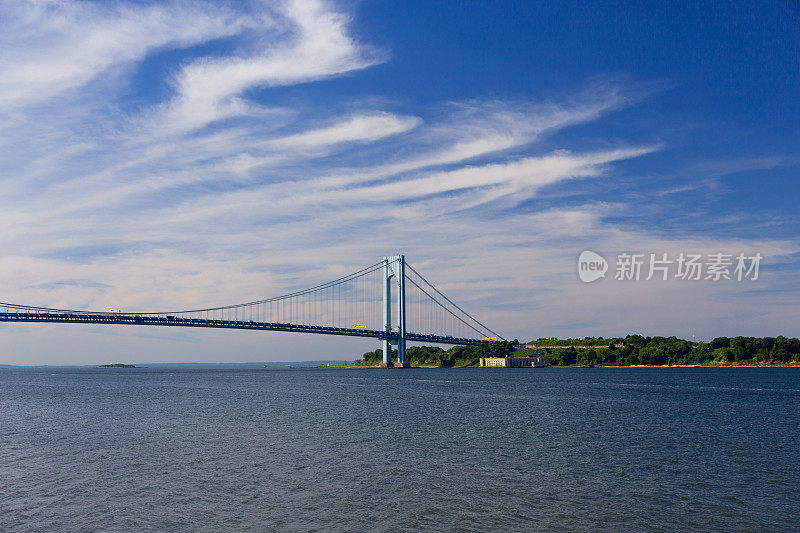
(144, 320)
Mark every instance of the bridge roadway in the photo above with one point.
(145, 320)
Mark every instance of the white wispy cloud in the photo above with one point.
(316, 46)
(363, 128)
(50, 46)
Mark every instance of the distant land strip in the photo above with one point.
(632, 350)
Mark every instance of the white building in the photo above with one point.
(514, 362)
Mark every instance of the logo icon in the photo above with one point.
(591, 266)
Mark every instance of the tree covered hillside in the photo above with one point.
(630, 350)
(436, 356)
(640, 350)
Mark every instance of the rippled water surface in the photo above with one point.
(378, 450)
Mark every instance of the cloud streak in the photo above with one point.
(51, 47)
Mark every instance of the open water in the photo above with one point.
(400, 450)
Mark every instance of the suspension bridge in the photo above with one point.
(356, 305)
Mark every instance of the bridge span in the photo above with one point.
(356, 305)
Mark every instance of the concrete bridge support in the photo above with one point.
(394, 267)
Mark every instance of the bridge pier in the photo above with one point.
(394, 267)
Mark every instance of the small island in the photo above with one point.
(116, 365)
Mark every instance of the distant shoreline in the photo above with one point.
(774, 365)
(283, 365)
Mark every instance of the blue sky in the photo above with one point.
(182, 154)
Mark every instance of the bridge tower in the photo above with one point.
(394, 267)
